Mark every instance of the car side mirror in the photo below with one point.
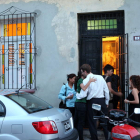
(96, 107)
(137, 110)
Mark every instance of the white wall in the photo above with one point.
(57, 37)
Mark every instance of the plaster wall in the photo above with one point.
(57, 37)
(132, 27)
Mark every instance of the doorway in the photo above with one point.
(95, 30)
(110, 53)
(102, 41)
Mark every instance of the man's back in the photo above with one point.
(97, 88)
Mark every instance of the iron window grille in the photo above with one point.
(100, 24)
(17, 49)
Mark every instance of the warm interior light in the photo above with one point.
(110, 53)
(110, 38)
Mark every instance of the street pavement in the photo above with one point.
(87, 135)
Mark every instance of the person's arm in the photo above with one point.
(112, 91)
(61, 94)
(136, 97)
(106, 91)
(82, 93)
(84, 87)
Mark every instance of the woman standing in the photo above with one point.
(70, 97)
(134, 99)
(80, 105)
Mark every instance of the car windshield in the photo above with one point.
(29, 102)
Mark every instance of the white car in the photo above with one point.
(24, 116)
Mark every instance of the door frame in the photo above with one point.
(124, 62)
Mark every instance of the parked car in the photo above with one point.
(24, 116)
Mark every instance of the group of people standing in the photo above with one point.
(83, 90)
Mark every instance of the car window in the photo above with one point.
(2, 110)
(29, 102)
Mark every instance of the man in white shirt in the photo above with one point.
(97, 93)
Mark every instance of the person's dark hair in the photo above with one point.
(135, 79)
(108, 67)
(86, 67)
(76, 79)
(70, 76)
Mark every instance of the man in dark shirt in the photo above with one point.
(108, 70)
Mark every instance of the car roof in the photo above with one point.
(8, 91)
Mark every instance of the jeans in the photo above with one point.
(79, 118)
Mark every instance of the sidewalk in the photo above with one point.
(87, 135)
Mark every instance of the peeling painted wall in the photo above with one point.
(57, 37)
(132, 27)
(65, 21)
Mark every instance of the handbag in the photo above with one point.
(62, 104)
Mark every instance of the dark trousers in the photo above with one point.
(115, 100)
(72, 110)
(79, 118)
(92, 122)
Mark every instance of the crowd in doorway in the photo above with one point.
(81, 91)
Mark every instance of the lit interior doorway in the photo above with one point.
(110, 53)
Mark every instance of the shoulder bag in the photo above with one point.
(62, 104)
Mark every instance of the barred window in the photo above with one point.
(102, 24)
(17, 49)
(11, 55)
(21, 54)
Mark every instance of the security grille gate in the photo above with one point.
(89, 52)
(101, 24)
(92, 28)
(124, 68)
(17, 49)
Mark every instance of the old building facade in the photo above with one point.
(44, 40)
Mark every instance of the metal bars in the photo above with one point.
(17, 49)
(106, 23)
(102, 24)
(126, 51)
